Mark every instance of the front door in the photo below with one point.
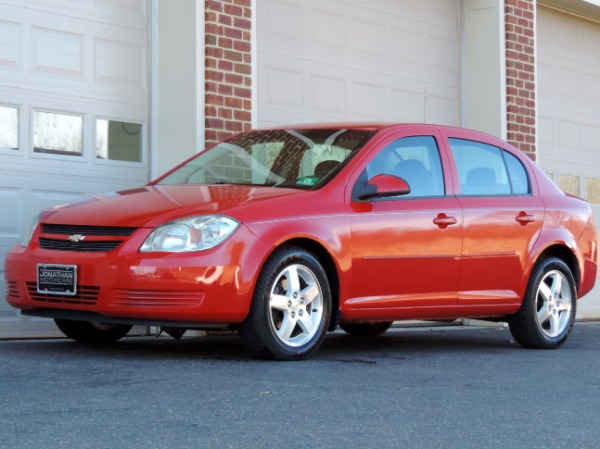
(405, 250)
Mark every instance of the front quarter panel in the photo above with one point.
(316, 221)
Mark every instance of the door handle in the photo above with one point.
(524, 218)
(443, 221)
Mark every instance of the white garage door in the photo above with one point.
(569, 112)
(335, 60)
(73, 112)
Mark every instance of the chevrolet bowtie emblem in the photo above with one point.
(76, 238)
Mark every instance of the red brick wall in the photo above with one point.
(520, 74)
(228, 68)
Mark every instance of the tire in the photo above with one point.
(547, 313)
(366, 329)
(88, 332)
(291, 307)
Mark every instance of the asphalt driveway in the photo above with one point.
(445, 387)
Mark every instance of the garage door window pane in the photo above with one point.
(118, 141)
(569, 184)
(57, 133)
(9, 128)
(592, 190)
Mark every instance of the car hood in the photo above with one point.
(153, 205)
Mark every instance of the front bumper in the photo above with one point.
(213, 286)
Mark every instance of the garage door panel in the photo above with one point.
(282, 87)
(328, 31)
(591, 140)
(368, 101)
(10, 46)
(282, 24)
(406, 50)
(442, 108)
(407, 105)
(57, 53)
(443, 56)
(591, 87)
(327, 96)
(590, 39)
(119, 63)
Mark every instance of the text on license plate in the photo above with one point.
(54, 279)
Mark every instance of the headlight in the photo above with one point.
(29, 230)
(190, 234)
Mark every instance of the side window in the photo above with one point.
(518, 175)
(416, 160)
(482, 169)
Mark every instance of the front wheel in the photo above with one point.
(88, 332)
(290, 308)
(547, 313)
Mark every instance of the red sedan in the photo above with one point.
(283, 234)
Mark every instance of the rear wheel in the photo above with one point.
(88, 332)
(366, 329)
(290, 309)
(546, 316)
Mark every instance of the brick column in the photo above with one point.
(228, 68)
(520, 74)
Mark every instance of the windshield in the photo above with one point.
(291, 158)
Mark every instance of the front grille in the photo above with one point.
(13, 289)
(58, 237)
(87, 230)
(86, 295)
(86, 246)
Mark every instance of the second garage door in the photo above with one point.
(569, 112)
(336, 60)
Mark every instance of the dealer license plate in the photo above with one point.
(53, 279)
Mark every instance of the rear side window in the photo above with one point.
(517, 174)
(488, 170)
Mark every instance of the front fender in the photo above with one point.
(331, 232)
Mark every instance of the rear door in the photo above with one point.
(405, 249)
(502, 219)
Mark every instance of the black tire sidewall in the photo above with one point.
(527, 315)
(259, 319)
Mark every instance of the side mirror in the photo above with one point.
(381, 186)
